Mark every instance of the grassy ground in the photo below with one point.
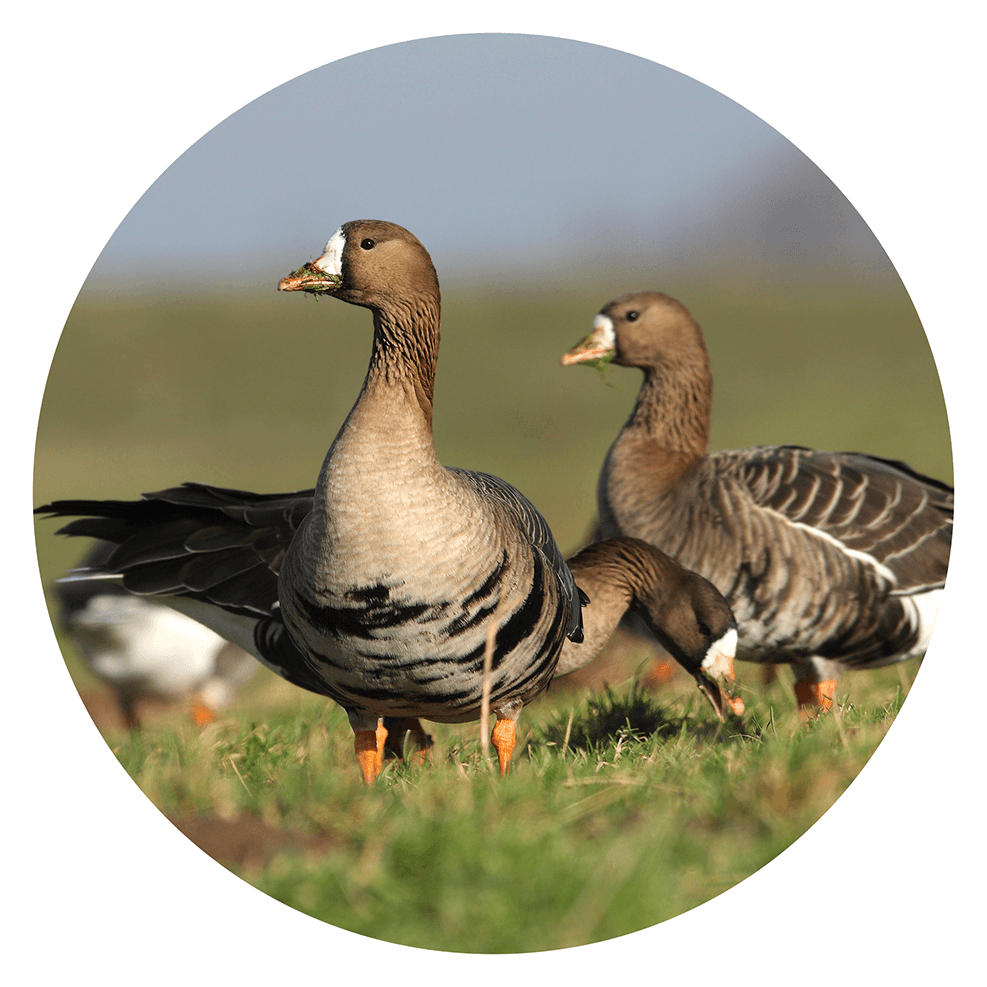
(625, 808)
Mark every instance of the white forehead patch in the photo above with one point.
(721, 653)
(331, 261)
(603, 326)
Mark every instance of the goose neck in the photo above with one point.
(673, 410)
(405, 353)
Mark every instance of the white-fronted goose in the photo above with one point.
(398, 569)
(216, 554)
(686, 613)
(830, 560)
(143, 649)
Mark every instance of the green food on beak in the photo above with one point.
(311, 280)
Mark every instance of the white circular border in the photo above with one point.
(411, 24)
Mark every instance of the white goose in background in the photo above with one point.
(143, 649)
(830, 560)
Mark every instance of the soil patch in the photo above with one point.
(248, 842)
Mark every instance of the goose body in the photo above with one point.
(396, 576)
(829, 560)
(216, 554)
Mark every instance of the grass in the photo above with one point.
(626, 807)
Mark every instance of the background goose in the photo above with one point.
(143, 649)
(830, 560)
(397, 572)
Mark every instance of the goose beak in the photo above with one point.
(590, 349)
(719, 694)
(311, 279)
(716, 677)
(598, 347)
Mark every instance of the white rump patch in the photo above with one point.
(926, 612)
(133, 640)
(331, 261)
(236, 628)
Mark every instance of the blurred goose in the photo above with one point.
(829, 560)
(400, 576)
(143, 649)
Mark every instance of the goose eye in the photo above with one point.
(367, 244)
(631, 316)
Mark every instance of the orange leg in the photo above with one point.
(202, 715)
(369, 746)
(504, 738)
(661, 671)
(815, 697)
(397, 728)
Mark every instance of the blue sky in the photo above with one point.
(502, 152)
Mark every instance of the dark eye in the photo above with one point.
(631, 316)
(367, 244)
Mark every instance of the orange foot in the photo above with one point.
(661, 672)
(369, 747)
(397, 728)
(202, 715)
(815, 697)
(504, 738)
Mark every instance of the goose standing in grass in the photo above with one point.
(830, 560)
(217, 554)
(392, 584)
(401, 575)
(143, 649)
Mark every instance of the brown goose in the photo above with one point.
(685, 612)
(830, 560)
(216, 554)
(395, 573)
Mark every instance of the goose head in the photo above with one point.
(695, 624)
(685, 612)
(371, 263)
(644, 329)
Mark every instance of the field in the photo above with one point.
(628, 806)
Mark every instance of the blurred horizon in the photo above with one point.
(518, 160)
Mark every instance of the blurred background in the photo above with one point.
(545, 177)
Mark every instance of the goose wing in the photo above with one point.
(212, 553)
(876, 507)
(215, 544)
